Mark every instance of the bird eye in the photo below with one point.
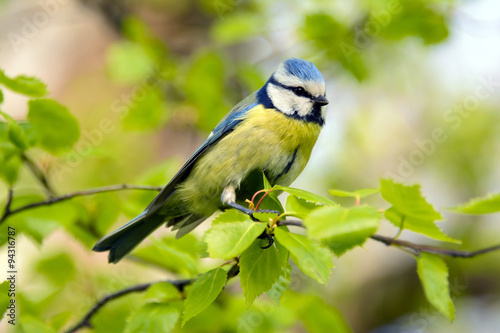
(299, 91)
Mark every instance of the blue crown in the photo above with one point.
(304, 70)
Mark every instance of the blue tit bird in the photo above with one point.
(271, 131)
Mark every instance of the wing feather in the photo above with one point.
(226, 126)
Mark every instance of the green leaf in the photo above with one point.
(341, 228)
(30, 324)
(433, 273)
(417, 19)
(137, 30)
(336, 41)
(228, 240)
(25, 85)
(129, 63)
(309, 196)
(299, 207)
(319, 317)
(311, 257)
(231, 215)
(146, 112)
(271, 201)
(484, 205)
(56, 128)
(162, 292)
(4, 298)
(202, 249)
(203, 292)
(411, 211)
(58, 268)
(265, 216)
(355, 194)
(238, 27)
(166, 254)
(281, 285)
(250, 76)
(204, 88)
(59, 320)
(259, 270)
(28, 132)
(9, 168)
(10, 158)
(1, 96)
(153, 318)
(15, 133)
(103, 211)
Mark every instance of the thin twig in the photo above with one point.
(417, 248)
(85, 322)
(8, 204)
(68, 196)
(291, 223)
(414, 248)
(179, 284)
(39, 175)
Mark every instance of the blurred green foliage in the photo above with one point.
(167, 87)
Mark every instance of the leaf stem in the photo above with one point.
(39, 175)
(265, 195)
(400, 231)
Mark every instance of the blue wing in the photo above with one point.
(226, 126)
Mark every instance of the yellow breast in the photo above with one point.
(266, 139)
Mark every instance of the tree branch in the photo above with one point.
(68, 196)
(7, 210)
(179, 284)
(412, 247)
(417, 248)
(85, 321)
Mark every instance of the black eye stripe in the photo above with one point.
(292, 89)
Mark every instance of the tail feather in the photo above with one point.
(187, 224)
(121, 241)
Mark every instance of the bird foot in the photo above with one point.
(269, 238)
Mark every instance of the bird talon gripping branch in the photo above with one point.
(270, 239)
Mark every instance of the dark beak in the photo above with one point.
(321, 100)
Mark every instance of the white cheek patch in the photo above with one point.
(287, 102)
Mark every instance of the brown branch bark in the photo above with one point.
(417, 248)
(414, 248)
(7, 211)
(85, 321)
(68, 196)
(179, 284)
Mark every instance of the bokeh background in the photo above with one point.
(414, 90)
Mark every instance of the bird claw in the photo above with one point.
(269, 238)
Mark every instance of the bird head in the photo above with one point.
(297, 89)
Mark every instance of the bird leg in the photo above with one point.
(269, 238)
(228, 198)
